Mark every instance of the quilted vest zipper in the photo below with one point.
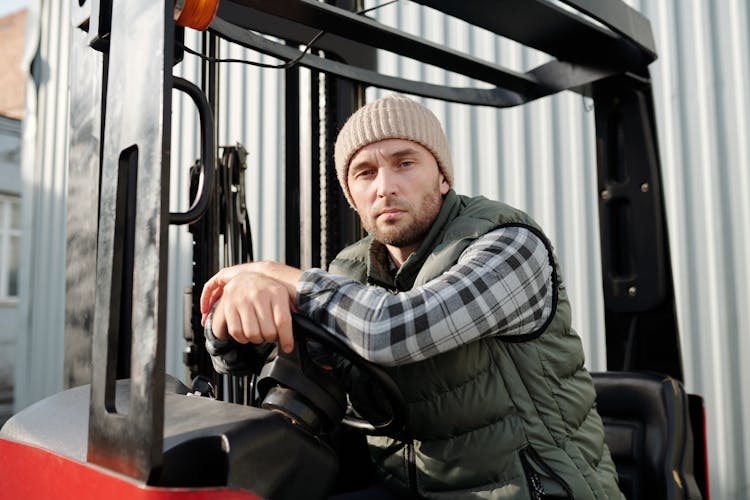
(528, 455)
(536, 489)
(412, 469)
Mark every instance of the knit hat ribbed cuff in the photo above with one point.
(391, 117)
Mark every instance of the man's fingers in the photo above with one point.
(250, 330)
(252, 308)
(283, 319)
(208, 298)
(213, 287)
(266, 322)
(234, 325)
(218, 323)
(207, 293)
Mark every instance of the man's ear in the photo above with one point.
(444, 186)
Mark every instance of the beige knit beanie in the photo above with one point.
(392, 117)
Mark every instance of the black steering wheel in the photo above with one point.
(311, 392)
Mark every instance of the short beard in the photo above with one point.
(413, 233)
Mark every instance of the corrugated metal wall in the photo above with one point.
(702, 91)
(540, 158)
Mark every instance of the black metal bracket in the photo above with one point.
(94, 17)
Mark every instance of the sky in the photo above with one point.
(8, 6)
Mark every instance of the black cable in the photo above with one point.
(285, 65)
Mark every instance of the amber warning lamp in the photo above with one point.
(195, 14)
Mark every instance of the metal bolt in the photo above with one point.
(605, 195)
(632, 291)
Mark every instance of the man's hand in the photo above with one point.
(214, 287)
(255, 301)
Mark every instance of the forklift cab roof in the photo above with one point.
(588, 41)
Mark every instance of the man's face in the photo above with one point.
(397, 189)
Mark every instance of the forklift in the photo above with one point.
(136, 432)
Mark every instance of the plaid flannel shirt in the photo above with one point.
(501, 285)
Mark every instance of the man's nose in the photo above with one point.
(386, 182)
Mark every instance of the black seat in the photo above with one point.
(647, 429)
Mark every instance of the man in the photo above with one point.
(462, 300)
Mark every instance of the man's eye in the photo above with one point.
(363, 174)
(407, 163)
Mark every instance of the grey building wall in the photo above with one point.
(537, 158)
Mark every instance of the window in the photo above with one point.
(10, 247)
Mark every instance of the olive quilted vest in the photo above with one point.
(495, 418)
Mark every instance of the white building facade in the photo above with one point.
(10, 255)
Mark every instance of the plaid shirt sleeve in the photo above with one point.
(502, 284)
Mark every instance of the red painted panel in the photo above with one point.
(29, 472)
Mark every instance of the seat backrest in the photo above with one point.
(647, 429)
